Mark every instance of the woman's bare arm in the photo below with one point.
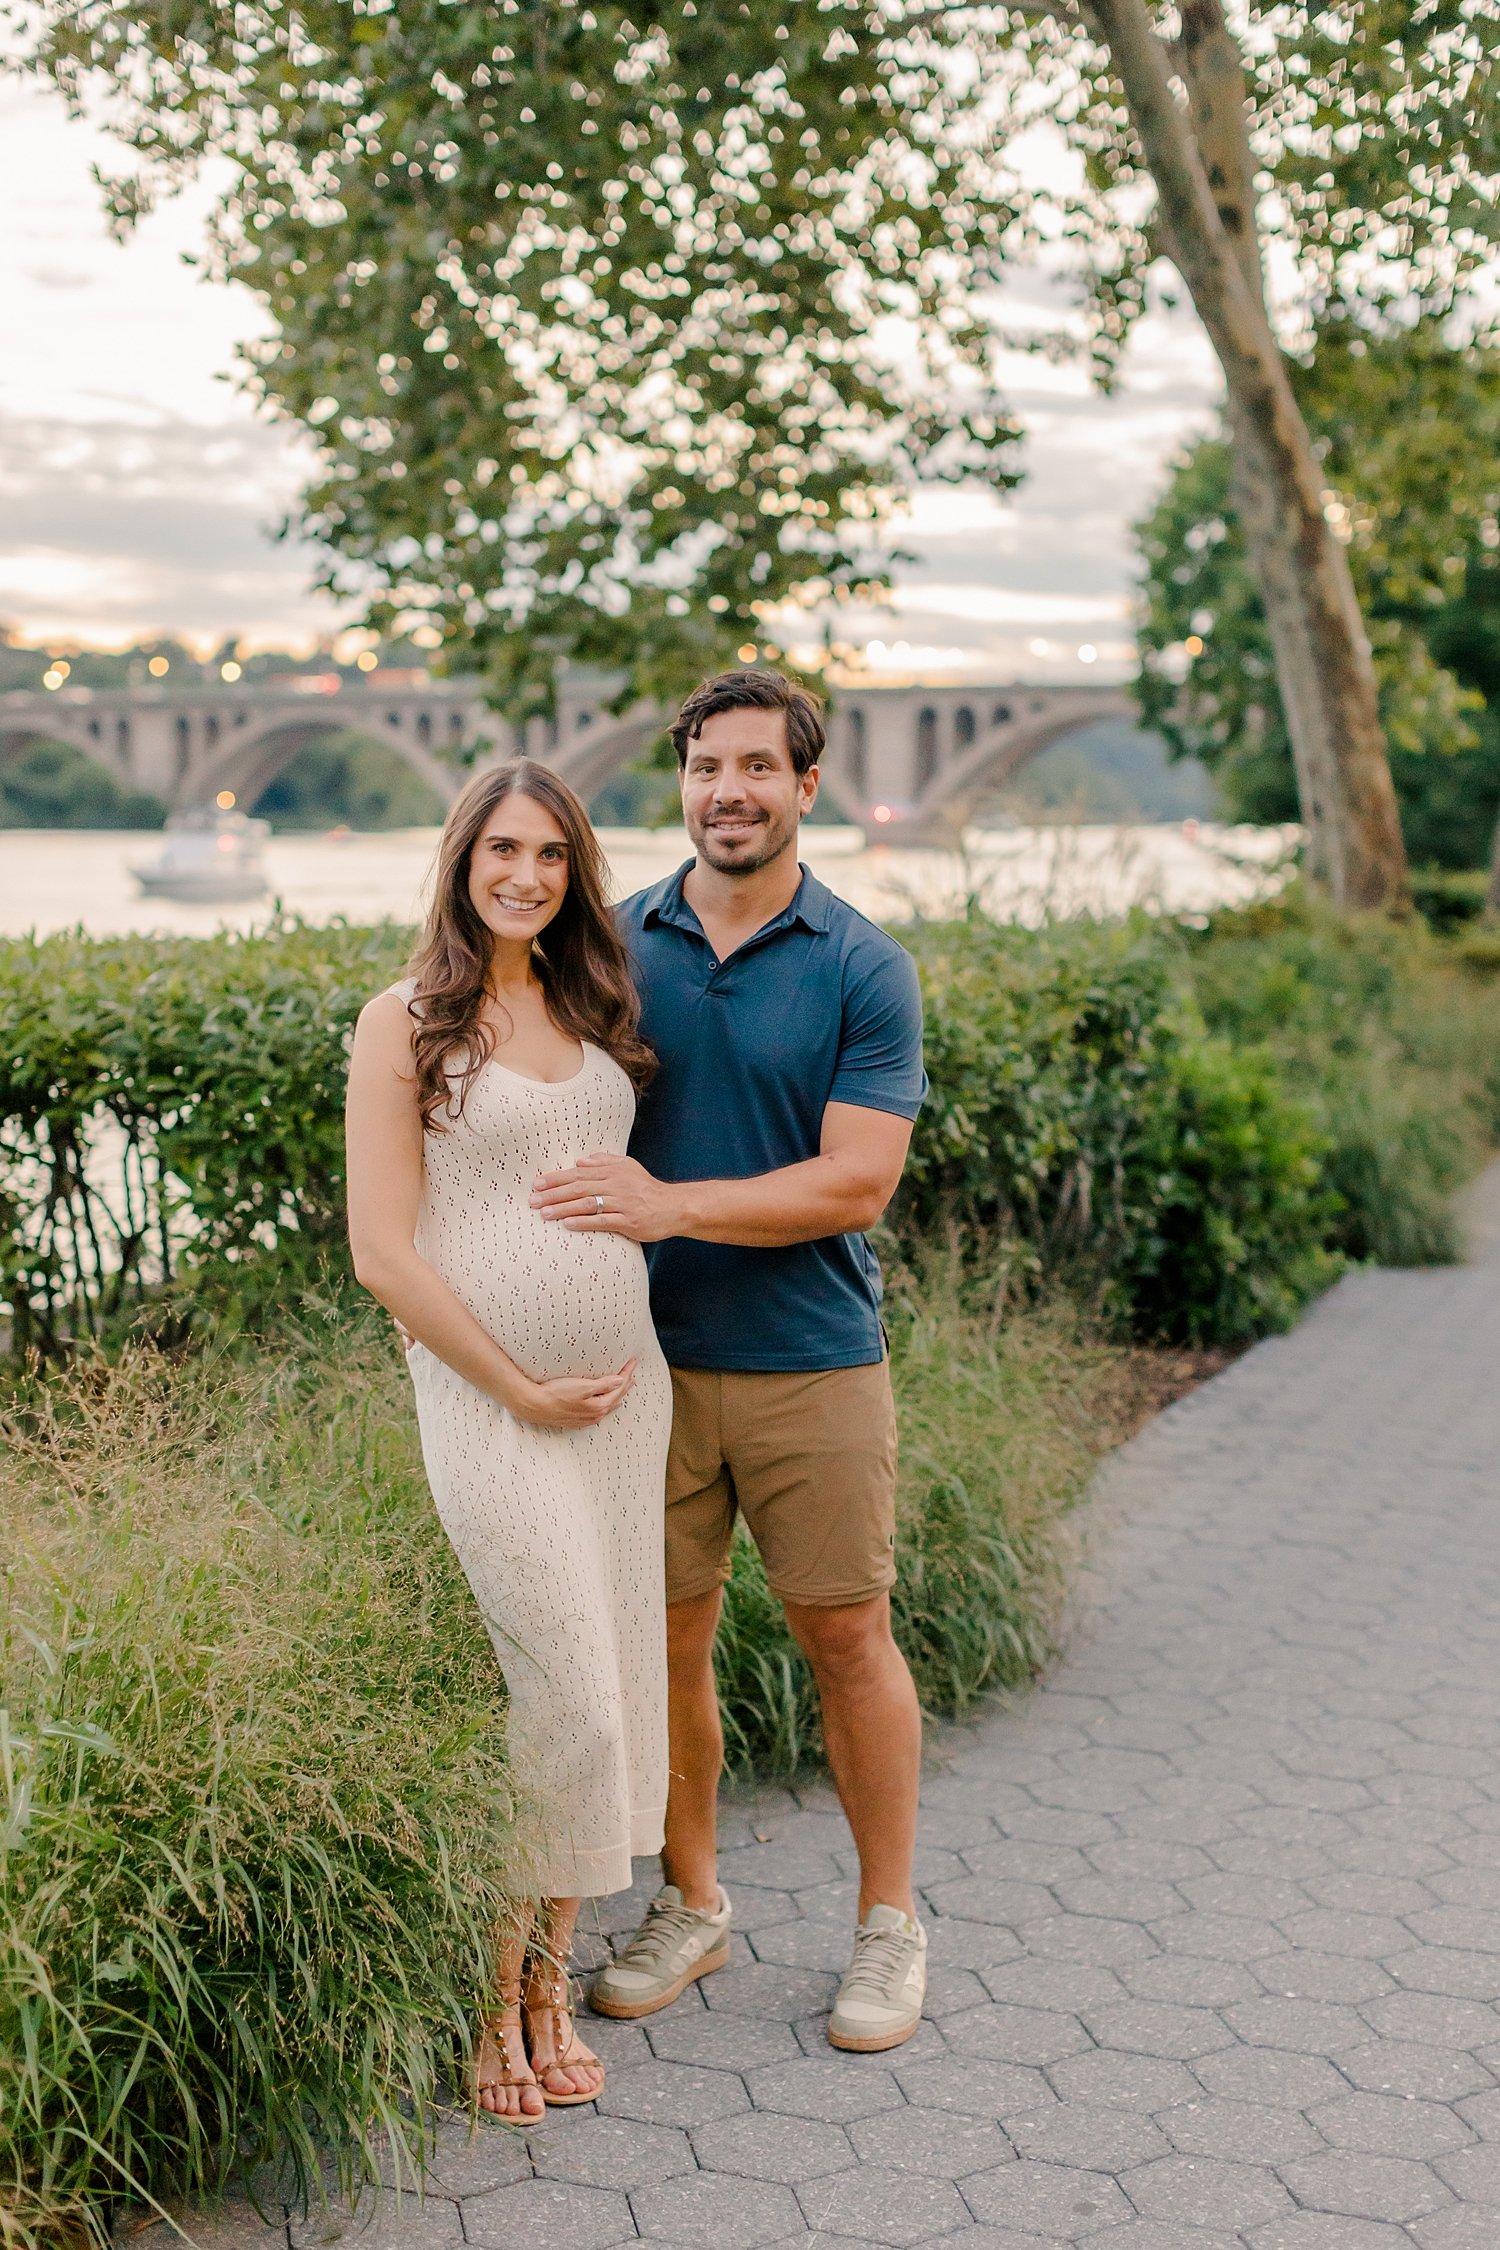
(384, 1135)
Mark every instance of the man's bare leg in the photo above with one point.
(695, 1751)
(872, 1728)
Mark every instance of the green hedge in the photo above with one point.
(158, 1095)
(1191, 1127)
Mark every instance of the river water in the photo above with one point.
(55, 880)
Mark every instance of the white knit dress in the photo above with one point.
(559, 1531)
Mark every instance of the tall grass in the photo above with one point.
(256, 1816)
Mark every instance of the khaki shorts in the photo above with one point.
(809, 1460)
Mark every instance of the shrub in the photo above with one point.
(170, 1131)
(1392, 1039)
(256, 1817)
(157, 1094)
(1082, 1128)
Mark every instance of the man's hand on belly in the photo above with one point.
(610, 1195)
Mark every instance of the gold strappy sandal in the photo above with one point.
(557, 2000)
(506, 2034)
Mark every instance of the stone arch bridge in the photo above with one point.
(906, 764)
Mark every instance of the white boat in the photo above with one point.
(211, 857)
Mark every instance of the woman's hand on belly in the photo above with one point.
(568, 1402)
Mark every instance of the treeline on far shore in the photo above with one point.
(255, 1810)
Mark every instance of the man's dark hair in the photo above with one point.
(756, 691)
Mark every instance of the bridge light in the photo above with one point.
(882, 813)
(159, 667)
(225, 800)
(229, 671)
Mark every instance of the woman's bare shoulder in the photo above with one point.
(387, 1019)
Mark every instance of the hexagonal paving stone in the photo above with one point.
(822, 2086)
(1093, 2137)
(669, 2093)
(988, 1898)
(1269, 2074)
(1443, 1969)
(1055, 2201)
(942, 2143)
(760, 1988)
(1206, 2191)
(1473, 2174)
(1087, 1937)
(768, 2146)
(1070, 1985)
(1121, 2081)
(723, 2041)
(973, 2087)
(1145, 2027)
(382, 2220)
(1431, 2020)
(547, 2211)
(1183, 1980)
(1240, 2132)
(1019, 2035)
(711, 2211)
(899, 2208)
(468, 2162)
(1321, 2230)
(1391, 2125)
(1321, 1976)
(1305, 2027)
(1364, 2186)
(1406, 2067)
(607, 2151)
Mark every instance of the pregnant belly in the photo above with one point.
(556, 1303)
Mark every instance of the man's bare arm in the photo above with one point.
(841, 1190)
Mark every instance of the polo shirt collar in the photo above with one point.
(810, 906)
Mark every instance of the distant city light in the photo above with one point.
(159, 667)
(1193, 644)
(54, 678)
(748, 653)
(229, 671)
(225, 800)
(882, 813)
(367, 660)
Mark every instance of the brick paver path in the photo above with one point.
(1215, 1915)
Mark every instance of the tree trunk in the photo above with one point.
(1217, 102)
(1323, 657)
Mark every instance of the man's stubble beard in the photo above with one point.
(775, 840)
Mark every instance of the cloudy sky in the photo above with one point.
(139, 493)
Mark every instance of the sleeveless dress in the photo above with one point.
(560, 1532)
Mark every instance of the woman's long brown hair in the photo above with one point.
(580, 956)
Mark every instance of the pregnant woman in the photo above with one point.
(542, 1396)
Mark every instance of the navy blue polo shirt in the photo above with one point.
(819, 1006)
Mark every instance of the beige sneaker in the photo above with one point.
(879, 2003)
(674, 1946)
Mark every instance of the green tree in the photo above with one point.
(619, 331)
(1404, 424)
